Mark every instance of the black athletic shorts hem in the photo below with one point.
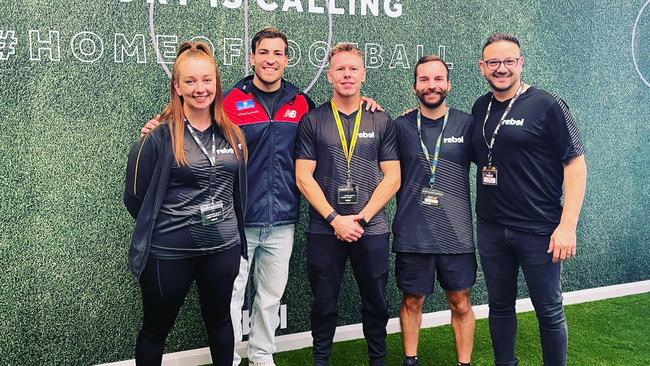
(416, 272)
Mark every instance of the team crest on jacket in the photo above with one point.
(245, 104)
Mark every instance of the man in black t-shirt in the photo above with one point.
(347, 168)
(527, 147)
(433, 223)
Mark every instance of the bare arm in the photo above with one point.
(345, 227)
(563, 239)
(385, 190)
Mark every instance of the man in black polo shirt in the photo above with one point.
(527, 147)
(433, 223)
(347, 168)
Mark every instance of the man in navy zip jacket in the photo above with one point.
(267, 108)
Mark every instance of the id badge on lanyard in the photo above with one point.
(489, 173)
(430, 196)
(489, 176)
(347, 194)
(212, 213)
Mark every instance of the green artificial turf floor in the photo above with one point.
(609, 332)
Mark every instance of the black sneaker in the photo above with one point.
(410, 361)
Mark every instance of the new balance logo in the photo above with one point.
(366, 135)
(514, 122)
(290, 113)
(226, 151)
(454, 140)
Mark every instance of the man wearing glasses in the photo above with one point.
(527, 147)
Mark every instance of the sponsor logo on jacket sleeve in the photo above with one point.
(245, 104)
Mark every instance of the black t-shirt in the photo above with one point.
(267, 99)
(538, 137)
(318, 139)
(178, 231)
(421, 228)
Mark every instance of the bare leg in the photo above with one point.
(462, 322)
(410, 318)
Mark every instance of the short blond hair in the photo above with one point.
(345, 47)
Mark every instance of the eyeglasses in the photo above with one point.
(509, 63)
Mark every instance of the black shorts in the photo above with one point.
(416, 272)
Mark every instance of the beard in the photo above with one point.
(442, 94)
(501, 88)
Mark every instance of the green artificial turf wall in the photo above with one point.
(79, 78)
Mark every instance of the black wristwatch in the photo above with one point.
(331, 216)
(363, 222)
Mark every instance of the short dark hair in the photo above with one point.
(496, 37)
(269, 32)
(426, 59)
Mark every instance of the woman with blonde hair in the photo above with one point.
(186, 189)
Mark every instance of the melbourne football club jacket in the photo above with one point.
(272, 194)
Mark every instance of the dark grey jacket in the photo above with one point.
(147, 175)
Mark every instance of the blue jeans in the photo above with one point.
(269, 248)
(503, 250)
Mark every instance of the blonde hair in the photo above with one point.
(345, 47)
(175, 117)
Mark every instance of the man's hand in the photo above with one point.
(563, 243)
(371, 104)
(150, 125)
(347, 228)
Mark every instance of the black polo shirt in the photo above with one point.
(318, 139)
(538, 137)
(446, 229)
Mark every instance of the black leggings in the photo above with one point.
(165, 283)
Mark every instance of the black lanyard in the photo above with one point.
(212, 158)
(490, 145)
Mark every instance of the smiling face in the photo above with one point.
(504, 80)
(432, 84)
(196, 83)
(269, 61)
(346, 73)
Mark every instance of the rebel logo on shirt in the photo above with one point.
(226, 151)
(513, 122)
(454, 140)
(366, 135)
(245, 104)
